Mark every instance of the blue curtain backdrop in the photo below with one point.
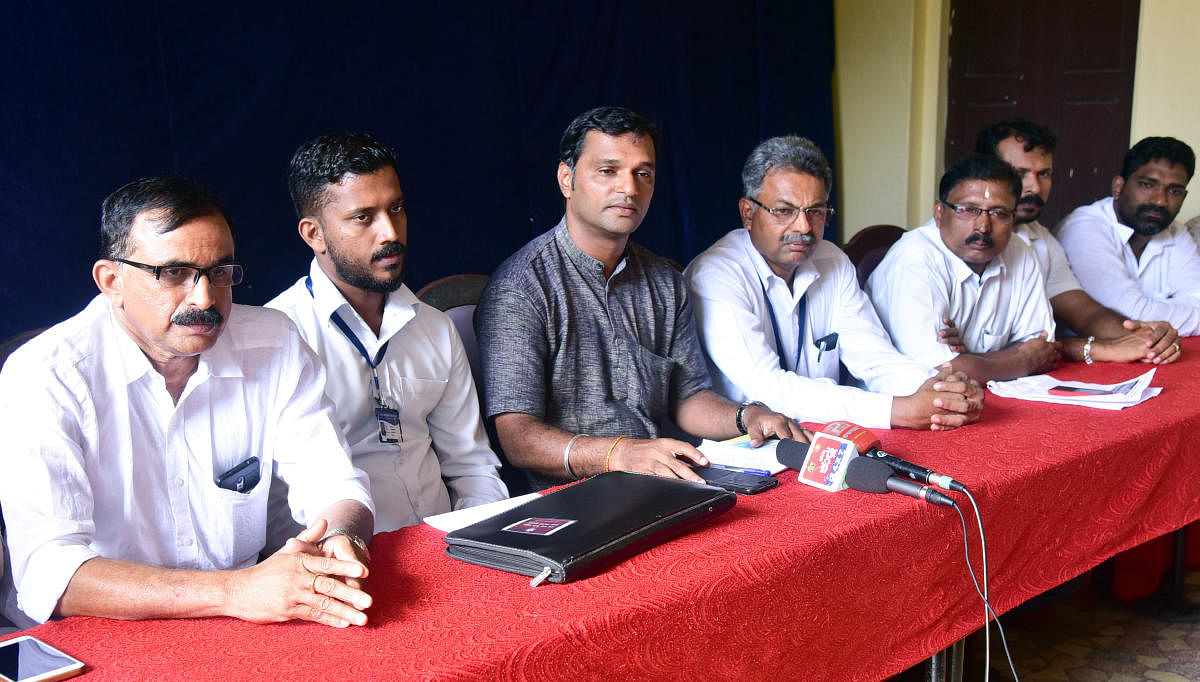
(473, 96)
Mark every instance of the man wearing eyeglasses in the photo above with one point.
(964, 266)
(141, 435)
(1101, 334)
(779, 310)
(1128, 252)
(395, 368)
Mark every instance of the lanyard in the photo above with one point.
(349, 334)
(801, 314)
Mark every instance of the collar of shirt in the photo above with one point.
(584, 262)
(398, 310)
(1028, 232)
(1122, 232)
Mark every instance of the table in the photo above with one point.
(794, 583)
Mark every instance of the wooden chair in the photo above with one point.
(868, 247)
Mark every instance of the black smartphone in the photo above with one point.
(241, 478)
(736, 481)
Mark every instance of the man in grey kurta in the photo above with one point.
(587, 340)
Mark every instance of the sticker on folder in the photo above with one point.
(532, 526)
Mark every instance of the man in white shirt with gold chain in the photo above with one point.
(396, 368)
(142, 433)
(779, 310)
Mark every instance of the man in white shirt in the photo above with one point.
(1103, 335)
(140, 437)
(964, 267)
(1127, 251)
(395, 367)
(779, 310)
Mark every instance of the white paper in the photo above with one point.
(737, 452)
(1037, 389)
(462, 518)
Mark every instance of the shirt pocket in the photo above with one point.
(239, 520)
(649, 387)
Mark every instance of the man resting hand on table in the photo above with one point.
(120, 422)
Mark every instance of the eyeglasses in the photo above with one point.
(186, 276)
(816, 215)
(1000, 215)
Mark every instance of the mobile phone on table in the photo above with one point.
(28, 659)
(736, 481)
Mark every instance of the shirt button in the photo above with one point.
(187, 542)
(178, 482)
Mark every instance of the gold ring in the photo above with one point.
(313, 587)
(1178, 349)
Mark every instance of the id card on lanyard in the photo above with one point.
(387, 416)
(800, 314)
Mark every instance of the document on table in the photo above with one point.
(462, 518)
(1046, 389)
(737, 452)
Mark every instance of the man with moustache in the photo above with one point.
(395, 367)
(587, 339)
(1103, 335)
(140, 437)
(1127, 251)
(780, 310)
(963, 266)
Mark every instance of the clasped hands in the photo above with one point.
(307, 581)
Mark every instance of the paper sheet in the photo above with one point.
(737, 452)
(464, 517)
(1115, 397)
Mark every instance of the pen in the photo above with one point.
(744, 470)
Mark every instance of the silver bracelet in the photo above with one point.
(1087, 350)
(567, 455)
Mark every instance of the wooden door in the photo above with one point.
(1066, 64)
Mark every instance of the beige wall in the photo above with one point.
(890, 95)
(1166, 92)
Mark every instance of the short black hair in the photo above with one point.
(1033, 135)
(608, 120)
(325, 160)
(979, 167)
(1151, 148)
(179, 200)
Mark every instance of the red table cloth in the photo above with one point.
(793, 583)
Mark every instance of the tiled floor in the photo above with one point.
(1093, 638)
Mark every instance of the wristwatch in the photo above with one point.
(740, 418)
(354, 539)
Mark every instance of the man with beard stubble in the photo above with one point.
(1127, 251)
(396, 368)
(1101, 334)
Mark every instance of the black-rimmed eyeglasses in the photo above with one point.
(186, 276)
(1000, 215)
(816, 215)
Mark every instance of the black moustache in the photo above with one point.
(197, 316)
(985, 239)
(393, 249)
(1033, 199)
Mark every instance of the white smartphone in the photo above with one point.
(28, 659)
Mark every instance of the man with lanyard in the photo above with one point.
(396, 368)
(588, 341)
(778, 273)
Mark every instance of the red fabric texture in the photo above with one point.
(793, 583)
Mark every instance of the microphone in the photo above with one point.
(871, 475)
(821, 463)
(867, 445)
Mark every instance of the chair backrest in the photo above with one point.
(14, 342)
(868, 247)
(456, 296)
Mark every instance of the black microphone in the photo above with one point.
(914, 471)
(871, 475)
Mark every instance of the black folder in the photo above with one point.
(579, 530)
